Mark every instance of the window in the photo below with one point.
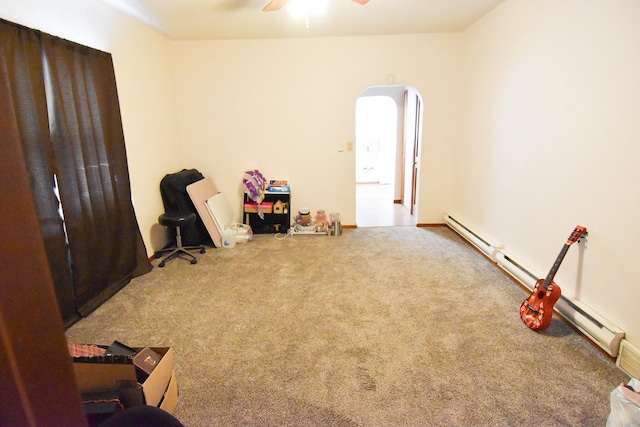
(64, 100)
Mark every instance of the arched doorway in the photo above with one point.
(388, 139)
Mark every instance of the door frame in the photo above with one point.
(409, 116)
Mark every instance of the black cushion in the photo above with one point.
(177, 219)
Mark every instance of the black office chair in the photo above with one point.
(178, 220)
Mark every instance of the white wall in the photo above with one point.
(141, 59)
(285, 106)
(549, 140)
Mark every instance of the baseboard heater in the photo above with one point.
(629, 359)
(483, 244)
(604, 334)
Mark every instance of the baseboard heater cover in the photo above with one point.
(472, 237)
(516, 269)
(604, 334)
(629, 359)
(598, 329)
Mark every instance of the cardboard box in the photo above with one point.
(146, 361)
(159, 389)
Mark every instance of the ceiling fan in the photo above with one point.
(277, 4)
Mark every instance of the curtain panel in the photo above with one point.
(21, 60)
(66, 103)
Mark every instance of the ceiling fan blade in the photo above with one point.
(274, 5)
(361, 1)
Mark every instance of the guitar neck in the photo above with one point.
(556, 266)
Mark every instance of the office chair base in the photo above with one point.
(181, 252)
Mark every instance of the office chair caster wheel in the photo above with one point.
(161, 264)
(194, 261)
(202, 250)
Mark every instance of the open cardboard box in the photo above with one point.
(159, 389)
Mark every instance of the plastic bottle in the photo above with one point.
(228, 238)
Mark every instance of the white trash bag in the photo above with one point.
(625, 405)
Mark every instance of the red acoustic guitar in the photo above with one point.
(537, 311)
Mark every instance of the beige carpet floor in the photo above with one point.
(398, 326)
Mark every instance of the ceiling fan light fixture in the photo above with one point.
(274, 5)
(306, 8)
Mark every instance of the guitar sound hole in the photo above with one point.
(540, 294)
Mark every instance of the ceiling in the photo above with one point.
(244, 19)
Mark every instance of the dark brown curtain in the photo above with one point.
(77, 135)
(93, 178)
(22, 62)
